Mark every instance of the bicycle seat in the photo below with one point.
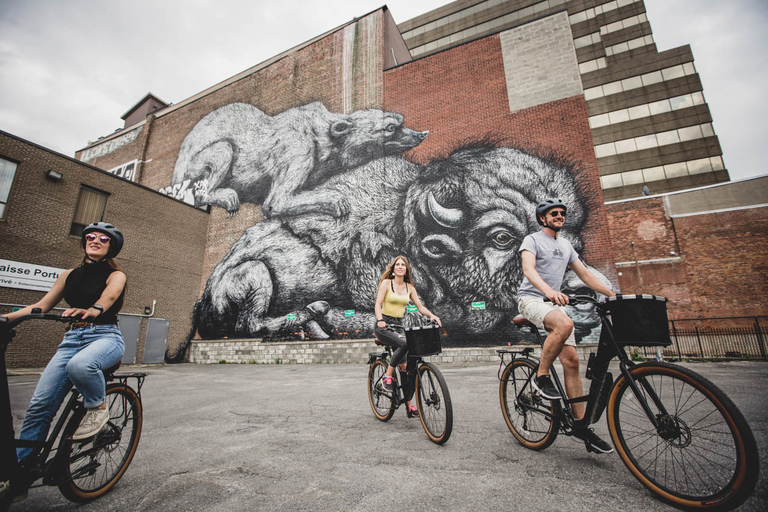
(112, 369)
(521, 321)
(376, 341)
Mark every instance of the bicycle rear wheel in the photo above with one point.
(381, 401)
(91, 467)
(435, 409)
(530, 417)
(703, 455)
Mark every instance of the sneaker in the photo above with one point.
(385, 384)
(543, 384)
(592, 440)
(412, 412)
(92, 423)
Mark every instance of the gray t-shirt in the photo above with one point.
(553, 255)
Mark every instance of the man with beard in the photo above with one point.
(545, 258)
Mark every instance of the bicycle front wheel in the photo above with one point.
(435, 409)
(380, 400)
(91, 467)
(530, 417)
(702, 455)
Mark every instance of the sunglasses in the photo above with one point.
(90, 237)
(557, 213)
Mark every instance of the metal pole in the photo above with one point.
(760, 342)
(677, 342)
(698, 338)
(637, 268)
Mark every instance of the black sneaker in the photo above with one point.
(591, 440)
(543, 384)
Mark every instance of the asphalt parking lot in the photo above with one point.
(303, 437)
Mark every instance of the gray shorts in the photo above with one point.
(535, 309)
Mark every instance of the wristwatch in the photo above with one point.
(98, 307)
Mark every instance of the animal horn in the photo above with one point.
(446, 217)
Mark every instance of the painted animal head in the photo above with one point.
(465, 218)
(365, 135)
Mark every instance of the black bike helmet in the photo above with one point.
(546, 205)
(115, 235)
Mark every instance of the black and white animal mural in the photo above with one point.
(347, 203)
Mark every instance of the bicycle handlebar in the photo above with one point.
(7, 325)
(575, 299)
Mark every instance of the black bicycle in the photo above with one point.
(676, 432)
(82, 470)
(431, 391)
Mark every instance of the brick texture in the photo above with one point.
(162, 257)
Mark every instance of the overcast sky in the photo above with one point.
(70, 69)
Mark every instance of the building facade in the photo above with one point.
(305, 175)
(651, 127)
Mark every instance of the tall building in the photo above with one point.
(651, 127)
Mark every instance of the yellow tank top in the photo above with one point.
(394, 304)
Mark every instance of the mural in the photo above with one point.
(239, 154)
(340, 203)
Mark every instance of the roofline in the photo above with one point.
(94, 168)
(685, 191)
(142, 100)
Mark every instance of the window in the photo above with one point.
(7, 172)
(90, 208)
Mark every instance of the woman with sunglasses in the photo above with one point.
(94, 291)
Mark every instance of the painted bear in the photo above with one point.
(239, 154)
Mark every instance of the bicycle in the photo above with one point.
(677, 433)
(431, 391)
(83, 470)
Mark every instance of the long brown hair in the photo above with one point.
(389, 273)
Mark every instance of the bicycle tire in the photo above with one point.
(435, 408)
(704, 456)
(381, 403)
(530, 418)
(93, 466)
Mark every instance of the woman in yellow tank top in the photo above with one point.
(396, 290)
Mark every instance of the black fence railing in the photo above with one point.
(715, 338)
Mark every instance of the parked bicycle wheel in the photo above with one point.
(529, 417)
(93, 466)
(381, 402)
(703, 455)
(435, 409)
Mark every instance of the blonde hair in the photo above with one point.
(391, 270)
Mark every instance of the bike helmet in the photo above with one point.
(546, 205)
(115, 235)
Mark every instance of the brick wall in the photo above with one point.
(161, 258)
(462, 97)
(709, 264)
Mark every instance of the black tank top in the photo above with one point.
(84, 287)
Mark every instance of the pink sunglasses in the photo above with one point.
(90, 237)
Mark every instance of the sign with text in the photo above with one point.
(28, 276)
(127, 171)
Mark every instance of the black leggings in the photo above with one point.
(394, 336)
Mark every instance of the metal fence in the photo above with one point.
(715, 338)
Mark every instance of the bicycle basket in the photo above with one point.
(423, 340)
(639, 320)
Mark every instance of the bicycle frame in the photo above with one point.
(597, 372)
(384, 356)
(44, 465)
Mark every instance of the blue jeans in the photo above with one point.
(81, 356)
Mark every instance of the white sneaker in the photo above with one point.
(93, 421)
